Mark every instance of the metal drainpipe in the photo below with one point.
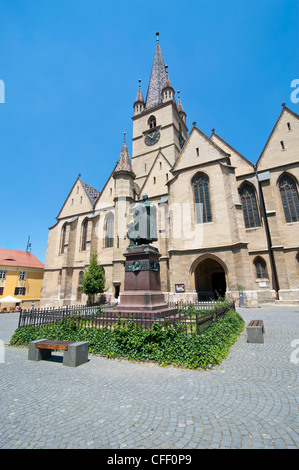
(268, 236)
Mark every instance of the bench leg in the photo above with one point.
(255, 334)
(35, 354)
(76, 354)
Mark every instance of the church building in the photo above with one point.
(225, 226)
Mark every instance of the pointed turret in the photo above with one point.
(124, 163)
(157, 79)
(167, 90)
(180, 108)
(139, 103)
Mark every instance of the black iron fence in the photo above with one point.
(190, 318)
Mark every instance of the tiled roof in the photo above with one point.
(157, 80)
(124, 163)
(24, 259)
(92, 193)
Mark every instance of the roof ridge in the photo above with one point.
(230, 146)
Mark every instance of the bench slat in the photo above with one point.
(255, 323)
(49, 344)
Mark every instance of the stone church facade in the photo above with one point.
(225, 225)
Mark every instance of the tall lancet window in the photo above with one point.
(84, 235)
(62, 239)
(109, 230)
(249, 204)
(202, 198)
(289, 198)
(260, 267)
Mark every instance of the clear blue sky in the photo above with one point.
(71, 70)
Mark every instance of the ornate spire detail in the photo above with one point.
(167, 83)
(167, 91)
(139, 97)
(124, 163)
(157, 79)
(180, 107)
(139, 103)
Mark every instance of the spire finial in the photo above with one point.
(157, 34)
(124, 136)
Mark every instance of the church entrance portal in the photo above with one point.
(210, 279)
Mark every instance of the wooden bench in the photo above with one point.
(74, 353)
(255, 331)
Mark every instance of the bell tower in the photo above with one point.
(158, 122)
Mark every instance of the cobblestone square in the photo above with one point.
(250, 401)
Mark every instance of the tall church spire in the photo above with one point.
(157, 79)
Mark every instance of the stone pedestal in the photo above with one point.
(142, 287)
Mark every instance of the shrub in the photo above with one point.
(162, 345)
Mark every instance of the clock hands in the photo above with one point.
(152, 137)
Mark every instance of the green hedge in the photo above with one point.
(164, 346)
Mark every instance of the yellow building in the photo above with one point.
(21, 276)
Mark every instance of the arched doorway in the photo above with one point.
(210, 280)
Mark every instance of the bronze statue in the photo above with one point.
(143, 229)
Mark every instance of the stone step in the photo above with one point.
(287, 302)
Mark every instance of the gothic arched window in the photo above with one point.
(81, 274)
(109, 230)
(62, 239)
(289, 198)
(84, 234)
(249, 205)
(200, 185)
(260, 267)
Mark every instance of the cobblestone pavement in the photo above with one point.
(249, 401)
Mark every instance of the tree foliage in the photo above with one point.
(93, 280)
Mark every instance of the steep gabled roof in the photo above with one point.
(284, 109)
(195, 129)
(92, 194)
(152, 167)
(230, 147)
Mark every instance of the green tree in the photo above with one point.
(93, 280)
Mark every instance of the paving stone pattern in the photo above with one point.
(248, 402)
